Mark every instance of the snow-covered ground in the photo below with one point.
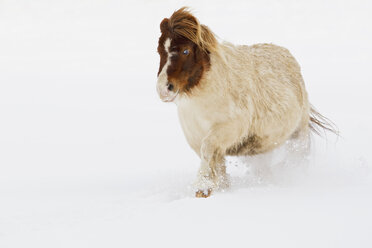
(90, 157)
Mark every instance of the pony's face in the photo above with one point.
(182, 64)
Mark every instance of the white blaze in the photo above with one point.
(161, 86)
(162, 78)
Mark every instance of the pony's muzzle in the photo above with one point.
(170, 86)
(167, 92)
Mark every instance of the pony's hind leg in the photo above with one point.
(298, 147)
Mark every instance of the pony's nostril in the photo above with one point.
(170, 86)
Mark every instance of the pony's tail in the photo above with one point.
(319, 123)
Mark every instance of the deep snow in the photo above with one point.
(90, 157)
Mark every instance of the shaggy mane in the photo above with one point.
(184, 24)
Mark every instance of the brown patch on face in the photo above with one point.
(250, 145)
(190, 48)
(187, 64)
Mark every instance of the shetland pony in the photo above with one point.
(231, 100)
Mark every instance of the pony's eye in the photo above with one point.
(186, 51)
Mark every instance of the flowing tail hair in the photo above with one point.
(319, 123)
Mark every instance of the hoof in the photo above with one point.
(203, 193)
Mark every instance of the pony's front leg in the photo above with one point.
(211, 176)
(204, 181)
(212, 173)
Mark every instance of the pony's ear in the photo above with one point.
(164, 25)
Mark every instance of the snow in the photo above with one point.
(90, 157)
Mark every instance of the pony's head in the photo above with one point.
(184, 49)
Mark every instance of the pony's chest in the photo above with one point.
(195, 121)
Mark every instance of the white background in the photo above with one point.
(90, 157)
